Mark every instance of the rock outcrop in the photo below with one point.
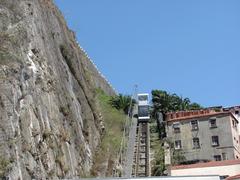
(49, 120)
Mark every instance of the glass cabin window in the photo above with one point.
(143, 111)
(143, 98)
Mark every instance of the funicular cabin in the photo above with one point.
(143, 108)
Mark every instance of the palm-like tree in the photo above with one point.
(165, 102)
(160, 101)
(122, 102)
(185, 104)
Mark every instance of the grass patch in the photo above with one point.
(4, 166)
(111, 140)
(7, 58)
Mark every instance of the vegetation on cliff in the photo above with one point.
(50, 125)
(4, 166)
(114, 119)
(122, 102)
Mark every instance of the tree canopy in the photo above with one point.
(166, 102)
(122, 102)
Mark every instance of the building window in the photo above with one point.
(178, 144)
(234, 123)
(196, 143)
(224, 156)
(176, 127)
(213, 123)
(194, 125)
(215, 141)
(217, 157)
(224, 177)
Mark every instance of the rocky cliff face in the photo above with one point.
(50, 124)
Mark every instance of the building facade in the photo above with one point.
(204, 135)
(235, 110)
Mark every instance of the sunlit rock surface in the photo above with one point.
(49, 120)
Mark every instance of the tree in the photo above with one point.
(159, 164)
(195, 106)
(177, 157)
(161, 102)
(164, 102)
(122, 102)
(184, 104)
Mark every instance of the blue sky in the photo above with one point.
(188, 47)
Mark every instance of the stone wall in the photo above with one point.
(49, 120)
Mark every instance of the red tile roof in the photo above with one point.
(186, 115)
(207, 164)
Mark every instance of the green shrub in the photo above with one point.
(159, 163)
(4, 166)
(122, 102)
